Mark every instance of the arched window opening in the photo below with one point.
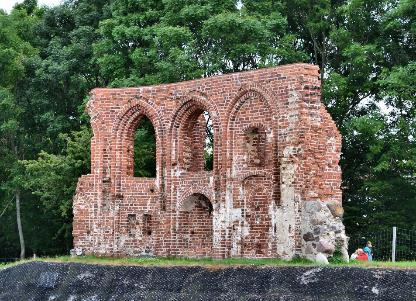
(197, 142)
(209, 143)
(255, 143)
(145, 149)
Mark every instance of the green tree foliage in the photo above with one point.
(366, 51)
(16, 142)
(50, 58)
(145, 149)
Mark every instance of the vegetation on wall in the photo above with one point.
(50, 58)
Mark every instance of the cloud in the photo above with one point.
(7, 5)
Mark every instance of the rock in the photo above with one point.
(336, 209)
(79, 251)
(316, 221)
(321, 259)
(326, 247)
(319, 230)
(308, 236)
(345, 256)
(312, 206)
(309, 249)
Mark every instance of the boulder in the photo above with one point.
(336, 209)
(312, 206)
(321, 259)
(308, 236)
(325, 246)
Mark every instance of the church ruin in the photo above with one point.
(273, 191)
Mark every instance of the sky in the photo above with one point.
(7, 5)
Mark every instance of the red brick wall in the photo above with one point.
(258, 181)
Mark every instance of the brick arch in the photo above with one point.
(194, 98)
(233, 108)
(244, 90)
(199, 196)
(195, 189)
(255, 173)
(195, 225)
(236, 104)
(123, 132)
(252, 125)
(192, 103)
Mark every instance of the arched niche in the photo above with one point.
(252, 136)
(195, 226)
(189, 135)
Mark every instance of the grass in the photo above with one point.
(10, 264)
(385, 264)
(174, 261)
(212, 263)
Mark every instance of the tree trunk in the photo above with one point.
(19, 226)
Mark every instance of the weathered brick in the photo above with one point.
(275, 148)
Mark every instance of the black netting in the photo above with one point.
(40, 281)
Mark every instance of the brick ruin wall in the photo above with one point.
(274, 190)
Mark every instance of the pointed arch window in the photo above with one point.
(145, 149)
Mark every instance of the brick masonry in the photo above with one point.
(274, 190)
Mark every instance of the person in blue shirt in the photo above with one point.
(369, 250)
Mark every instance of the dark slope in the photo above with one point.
(72, 281)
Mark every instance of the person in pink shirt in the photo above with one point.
(362, 256)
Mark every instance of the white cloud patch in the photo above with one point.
(7, 5)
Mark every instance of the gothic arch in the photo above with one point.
(243, 177)
(238, 101)
(194, 103)
(198, 189)
(122, 135)
(245, 93)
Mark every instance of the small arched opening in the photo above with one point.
(144, 149)
(193, 138)
(196, 140)
(208, 143)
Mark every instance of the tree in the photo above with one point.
(50, 58)
(53, 178)
(14, 50)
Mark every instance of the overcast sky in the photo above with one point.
(7, 5)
